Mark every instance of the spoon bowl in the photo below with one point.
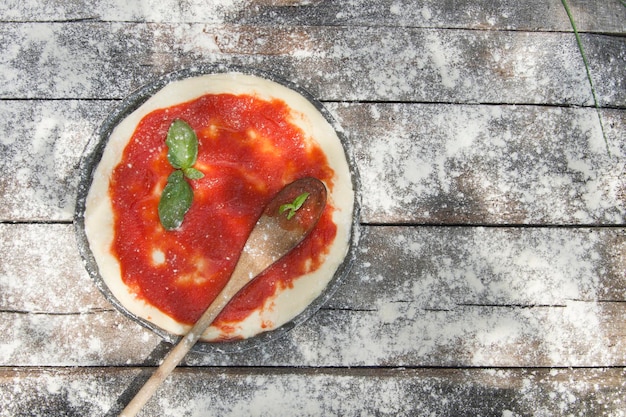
(277, 232)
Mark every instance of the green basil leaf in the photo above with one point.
(182, 144)
(283, 208)
(193, 174)
(293, 207)
(299, 201)
(175, 201)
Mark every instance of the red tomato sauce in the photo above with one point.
(248, 150)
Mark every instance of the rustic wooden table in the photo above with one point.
(491, 271)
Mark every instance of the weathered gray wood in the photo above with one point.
(591, 16)
(605, 17)
(328, 392)
(599, 16)
(441, 163)
(579, 334)
(441, 268)
(488, 164)
(607, 60)
(102, 60)
(418, 298)
(434, 268)
(457, 297)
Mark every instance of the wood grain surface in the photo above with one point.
(490, 276)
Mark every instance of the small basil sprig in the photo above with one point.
(293, 207)
(177, 196)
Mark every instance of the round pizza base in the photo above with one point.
(284, 308)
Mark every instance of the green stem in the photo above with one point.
(586, 63)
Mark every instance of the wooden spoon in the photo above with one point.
(281, 227)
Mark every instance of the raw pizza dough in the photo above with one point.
(287, 303)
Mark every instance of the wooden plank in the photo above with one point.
(73, 339)
(440, 268)
(602, 17)
(579, 334)
(328, 392)
(104, 60)
(419, 163)
(488, 164)
(435, 268)
(552, 297)
(607, 60)
(537, 15)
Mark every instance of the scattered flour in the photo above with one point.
(437, 160)
(445, 59)
(488, 164)
(396, 9)
(39, 169)
(214, 11)
(427, 14)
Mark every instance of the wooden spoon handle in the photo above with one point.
(176, 355)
